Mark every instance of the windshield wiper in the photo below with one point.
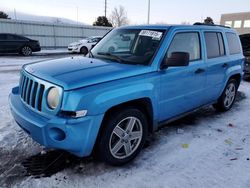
(114, 57)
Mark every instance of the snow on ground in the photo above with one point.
(212, 149)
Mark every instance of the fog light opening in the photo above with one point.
(57, 134)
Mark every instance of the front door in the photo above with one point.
(182, 88)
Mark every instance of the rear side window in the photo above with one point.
(186, 42)
(214, 44)
(233, 43)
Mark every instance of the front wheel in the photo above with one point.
(84, 50)
(228, 96)
(26, 51)
(123, 136)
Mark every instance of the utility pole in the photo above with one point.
(77, 14)
(105, 9)
(148, 11)
(15, 13)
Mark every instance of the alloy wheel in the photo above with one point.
(126, 137)
(26, 51)
(230, 94)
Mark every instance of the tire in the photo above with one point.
(26, 51)
(84, 50)
(122, 137)
(226, 100)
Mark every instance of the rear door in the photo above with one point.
(182, 88)
(217, 63)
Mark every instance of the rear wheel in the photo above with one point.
(26, 51)
(228, 96)
(84, 50)
(123, 136)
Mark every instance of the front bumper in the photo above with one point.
(73, 49)
(76, 136)
(36, 49)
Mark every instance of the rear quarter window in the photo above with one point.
(233, 43)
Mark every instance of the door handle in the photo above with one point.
(198, 71)
(225, 65)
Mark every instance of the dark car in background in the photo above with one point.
(12, 43)
(245, 41)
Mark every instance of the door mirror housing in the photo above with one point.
(177, 59)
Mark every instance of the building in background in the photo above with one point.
(238, 21)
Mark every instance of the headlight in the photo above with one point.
(53, 98)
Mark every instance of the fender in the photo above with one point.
(234, 70)
(100, 98)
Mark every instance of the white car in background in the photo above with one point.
(83, 46)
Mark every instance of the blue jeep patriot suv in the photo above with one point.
(134, 80)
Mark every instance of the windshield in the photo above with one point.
(132, 46)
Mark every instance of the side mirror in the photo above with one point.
(177, 59)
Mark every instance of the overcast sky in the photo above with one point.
(162, 11)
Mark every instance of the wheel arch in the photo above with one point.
(236, 77)
(143, 104)
(84, 46)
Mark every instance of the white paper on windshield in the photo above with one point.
(156, 35)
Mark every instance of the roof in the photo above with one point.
(166, 27)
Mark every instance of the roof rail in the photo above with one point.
(199, 23)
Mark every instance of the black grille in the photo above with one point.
(31, 92)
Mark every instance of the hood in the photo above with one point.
(77, 43)
(75, 72)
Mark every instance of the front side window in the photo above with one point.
(10, 37)
(214, 44)
(91, 40)
(186, 42)
(129, 46)
(233, 43)
(14, 37)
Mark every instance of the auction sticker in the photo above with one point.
(156, 35)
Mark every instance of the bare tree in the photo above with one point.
(118, 17)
